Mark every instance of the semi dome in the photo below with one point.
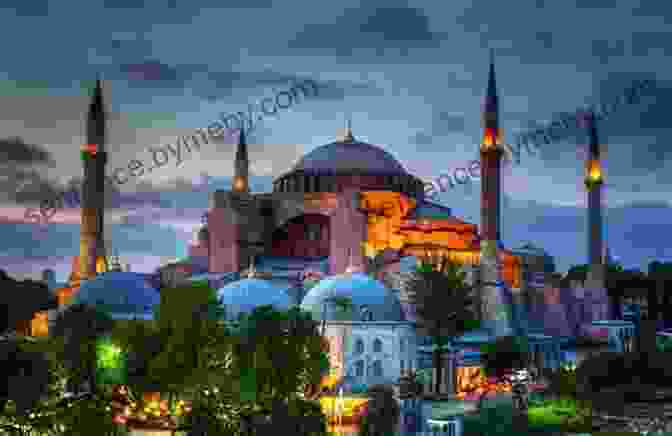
(349, 156)
(366, 294)
(246, 294)
(122, 295)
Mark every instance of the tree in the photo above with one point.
(284, 350)
(443, 303)
(503, 356)
(20, 300)
(661, 275)
(80, 326)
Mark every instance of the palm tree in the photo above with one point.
(444, 305)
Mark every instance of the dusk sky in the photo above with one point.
(412, 80)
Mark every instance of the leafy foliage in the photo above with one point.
(80, 326)
(285, 350)
(20, 300)
(443, 302)
(506, 353)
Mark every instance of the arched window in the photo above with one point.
(377, 346)
(359, 346)
(359, 368)
(377, 368)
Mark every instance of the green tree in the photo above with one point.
(501, 357)
(283, 348)
(661, 275)
(444, 305)
(80, 326)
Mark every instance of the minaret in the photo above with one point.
(495, 311)
(94, 157)
(241, 181)
(594, 182)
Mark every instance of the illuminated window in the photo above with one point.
(359, 368)
(359, 346)
(377, 346)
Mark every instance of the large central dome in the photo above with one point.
(349, 155)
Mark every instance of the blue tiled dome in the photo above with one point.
(361, 289)
(349, 156)
(123, 295)
(246, 294)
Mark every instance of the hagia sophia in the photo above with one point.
(340, 203)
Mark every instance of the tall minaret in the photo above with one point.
(94, 157)
(241, 181)
(495, 310)
(594, 182)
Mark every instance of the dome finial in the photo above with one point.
(348, 131)
(252, 271)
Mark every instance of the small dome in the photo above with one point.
(342, 156)
(366, 294)
(246, 294)
(123, 295)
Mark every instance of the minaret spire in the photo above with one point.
(92, 256)
(241, 181)
(252, 273)
(594, 181)
(496, 313)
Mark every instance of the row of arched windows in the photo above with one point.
(376, 368)
(377, 346)
(328, 183)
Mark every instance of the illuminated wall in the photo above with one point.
(389, 227)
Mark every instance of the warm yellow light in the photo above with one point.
(101, 265)
(594, 171)
(239, 184)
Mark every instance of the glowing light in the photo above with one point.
(239, 184)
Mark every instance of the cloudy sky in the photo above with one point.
(411, 78)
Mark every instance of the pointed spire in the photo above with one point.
(348, 131)
(252, 271)
(491, 134)
(96, 118)
(594, 150)
(241, 165)
(241, 151)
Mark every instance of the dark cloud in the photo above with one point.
(551, 223)
(648, 8)
(15, 151)
(546, 38)
(642, 42)
(604, 49)
(596, 4)
(648, 236)
(446, 122)
(36, 8)
(421, 138)
(393, 29)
